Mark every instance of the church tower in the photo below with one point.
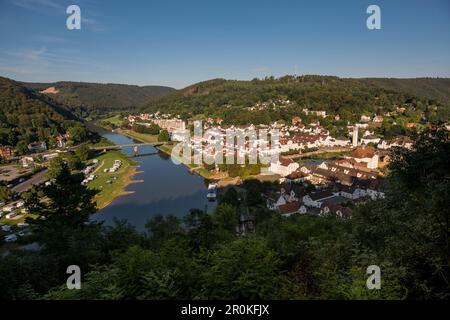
(355, 135)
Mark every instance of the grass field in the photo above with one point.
(117, 119)
(139, 136)
(115, 187)
(323, 156)
(13, 222)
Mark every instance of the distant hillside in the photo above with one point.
(26, 116)
(432, 88)
(100, 96)
(265, 100)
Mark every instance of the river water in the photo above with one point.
(167, 188)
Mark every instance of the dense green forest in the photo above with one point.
(232, 100)
(90, 99)
(26, 117)
(200, 256)
(432, 88)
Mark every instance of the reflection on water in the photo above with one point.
(167, 188)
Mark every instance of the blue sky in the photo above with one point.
(177, 43)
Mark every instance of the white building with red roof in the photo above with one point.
(365, 155)
(283, 166)
(291, 208)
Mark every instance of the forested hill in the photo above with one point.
(26, 116)
(99, 96)
(240, 101)
(432, 88)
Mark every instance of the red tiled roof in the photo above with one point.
(364, 152)
(285, 161)
(318, 195)
(334, 207)
(296, 175)
(290, 207)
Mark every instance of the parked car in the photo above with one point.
(12, 215)
(11, 238)
(9, 208)
(6, 228)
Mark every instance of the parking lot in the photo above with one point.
(11, 172)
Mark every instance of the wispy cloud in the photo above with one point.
(44, 56)
(28, 55)
(36, 64)
(39, 5)
(17, 70)
(44, 38)
(40, 61)
(92, 24)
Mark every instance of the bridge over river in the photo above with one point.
(120, 146)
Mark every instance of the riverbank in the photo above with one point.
(112, 185)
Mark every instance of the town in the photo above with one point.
(311, 171)
(352, 172)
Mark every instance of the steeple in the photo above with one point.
(355, 135)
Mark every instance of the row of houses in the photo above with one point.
(288, 201)
(271, 104)
(164, 121)
(335, 172)
(401, 142)
(301, 141)
(362, 164)
(375, 119)
(35, 147)
(319, 113)
(292, 198)
(290, 138)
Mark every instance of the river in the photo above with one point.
(167, 188)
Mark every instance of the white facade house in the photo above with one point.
(399, 142)
(291, 208)
(352, 192)
(365, 118)
(338, 142)
(366, 155)
(274, 201)
(283, 166)
(370, 139)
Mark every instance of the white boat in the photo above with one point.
(212, 192)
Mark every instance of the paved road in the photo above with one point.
(34, 180)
